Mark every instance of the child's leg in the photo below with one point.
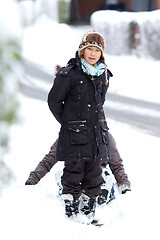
(71, 180)
(93, 179)
(92, 188)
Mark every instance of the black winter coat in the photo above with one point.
(76, 100)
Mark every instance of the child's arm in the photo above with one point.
(116, 164)
(57, 95)
(43, 167)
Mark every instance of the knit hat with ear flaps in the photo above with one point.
(92, 39)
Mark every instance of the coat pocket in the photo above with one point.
(104, 131)
(78, 132)
(81, 86)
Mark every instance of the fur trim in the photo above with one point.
(56, 69)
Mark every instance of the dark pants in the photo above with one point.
(82, 175)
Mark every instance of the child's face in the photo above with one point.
(92, 55)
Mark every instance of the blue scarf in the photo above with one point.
(96, 70)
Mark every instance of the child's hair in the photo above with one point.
(94, 39)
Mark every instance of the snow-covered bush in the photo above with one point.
(10, 56)
(126, 32)
(151, 37)
(114, 30)
(31, 10)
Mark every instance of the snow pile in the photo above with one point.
(10, 35)
(126, 32)
(31, 10)
(49, 43)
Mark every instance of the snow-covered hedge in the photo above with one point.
(126, 32)
(10, 33)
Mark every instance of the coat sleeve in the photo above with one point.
(57, 95)
(116, 163)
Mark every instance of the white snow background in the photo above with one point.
(35, 212)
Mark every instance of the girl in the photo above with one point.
(76, 100)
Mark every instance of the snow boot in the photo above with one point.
(71, 206)
(106, 196)
(108, 191)
(88, 206)
(103, 197)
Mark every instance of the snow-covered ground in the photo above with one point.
(35, 212)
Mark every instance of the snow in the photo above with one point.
(7, 29)
(142, 80)
(30, 10)
(35, 212)
(50, 42)
(135, 77)
(119, 29)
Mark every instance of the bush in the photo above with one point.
(151, 38)
(63, 11)
(128, 32)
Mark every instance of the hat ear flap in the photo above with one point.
(102, 59)
(81, 53)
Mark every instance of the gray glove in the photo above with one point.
(124, 188)
(29, 183)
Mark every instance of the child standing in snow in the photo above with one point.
(76, 100)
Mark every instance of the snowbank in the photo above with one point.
(49, 43)
(127, 32)
(31, 10)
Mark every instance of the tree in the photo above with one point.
(10, 59)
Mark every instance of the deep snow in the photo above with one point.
(35, 212)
